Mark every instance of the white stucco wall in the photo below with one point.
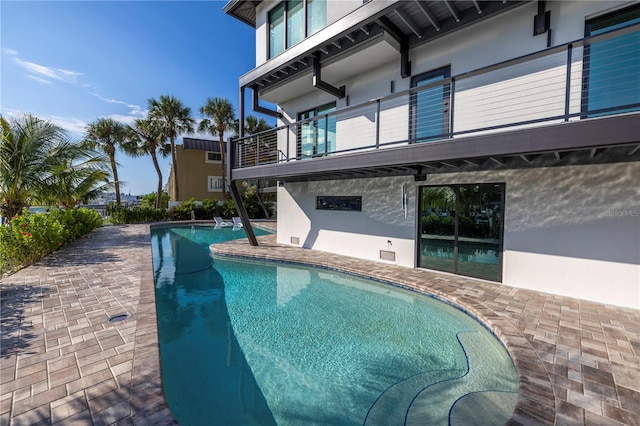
(359, 234)
(572, 231)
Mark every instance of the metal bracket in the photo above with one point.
(261, 109)
(323, 85)
(398, 35)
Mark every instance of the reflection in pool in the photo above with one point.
(249, 342)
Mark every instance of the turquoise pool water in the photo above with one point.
(263, 343)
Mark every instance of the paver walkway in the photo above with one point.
(63, 362)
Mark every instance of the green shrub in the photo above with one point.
(140, 214)
(205, 211)
(29, 237)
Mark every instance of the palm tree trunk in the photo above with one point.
(176, 191)
(224, 167)
(157, 166)
(114, 170)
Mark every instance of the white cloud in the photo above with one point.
(8, 51)
(39, 79)
(42, 72)
(73, 125)
(135, 111)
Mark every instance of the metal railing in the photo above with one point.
(590, 77)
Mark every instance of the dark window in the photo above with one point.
(344, 203)
(214, 156)
(430, 107)
(611, 80)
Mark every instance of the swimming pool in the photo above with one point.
(272, 343)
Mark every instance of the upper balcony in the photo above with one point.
(572, 104)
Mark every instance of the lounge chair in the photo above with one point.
(221, 223)
(237, 223)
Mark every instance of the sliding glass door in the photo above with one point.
(461, 229)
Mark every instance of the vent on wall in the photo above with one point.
(388, 255)
(295, 240)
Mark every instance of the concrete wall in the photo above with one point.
(572, 230)
(361, 234)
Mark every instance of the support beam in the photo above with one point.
(453, 10)
(409, 22)
(323, 85)
(395, 32)
(242, 212)
(425, 9)
(477, 5)
(261, 109)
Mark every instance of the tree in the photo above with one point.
(81, 178)
(219, 117)
(252, 125)
(148, 136)
(174, 118)
(107, 135)
(29, 151)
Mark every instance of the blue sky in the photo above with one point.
(72, 62)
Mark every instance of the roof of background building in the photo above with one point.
(201, 144)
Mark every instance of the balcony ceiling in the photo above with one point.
(411, 22)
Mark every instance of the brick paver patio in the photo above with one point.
(64, 362)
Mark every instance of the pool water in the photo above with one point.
(254, 342)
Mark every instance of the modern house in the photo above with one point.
(199, 171)
(493, 139)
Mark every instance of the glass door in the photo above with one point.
(317, 137)
(437, 236)
(430, 107)
(479, 227)
(461, 229)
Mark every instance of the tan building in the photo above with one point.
(199, 170)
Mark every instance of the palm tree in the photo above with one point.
(29, 151)
(76, 180)
(147, 134)
(174, 119)
(107, 135)
(219, 117)
(252, 125)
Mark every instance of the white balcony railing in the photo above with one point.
(590, 77)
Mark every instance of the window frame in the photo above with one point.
(447, 121)
(285, 17)
(600, 22)
(207, 160)
(217, 179)
(331, 107)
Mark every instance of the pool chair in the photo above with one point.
(221, 223)
(237, 223)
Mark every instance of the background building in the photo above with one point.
(199, 170)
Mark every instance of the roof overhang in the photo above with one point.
(412, 22)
